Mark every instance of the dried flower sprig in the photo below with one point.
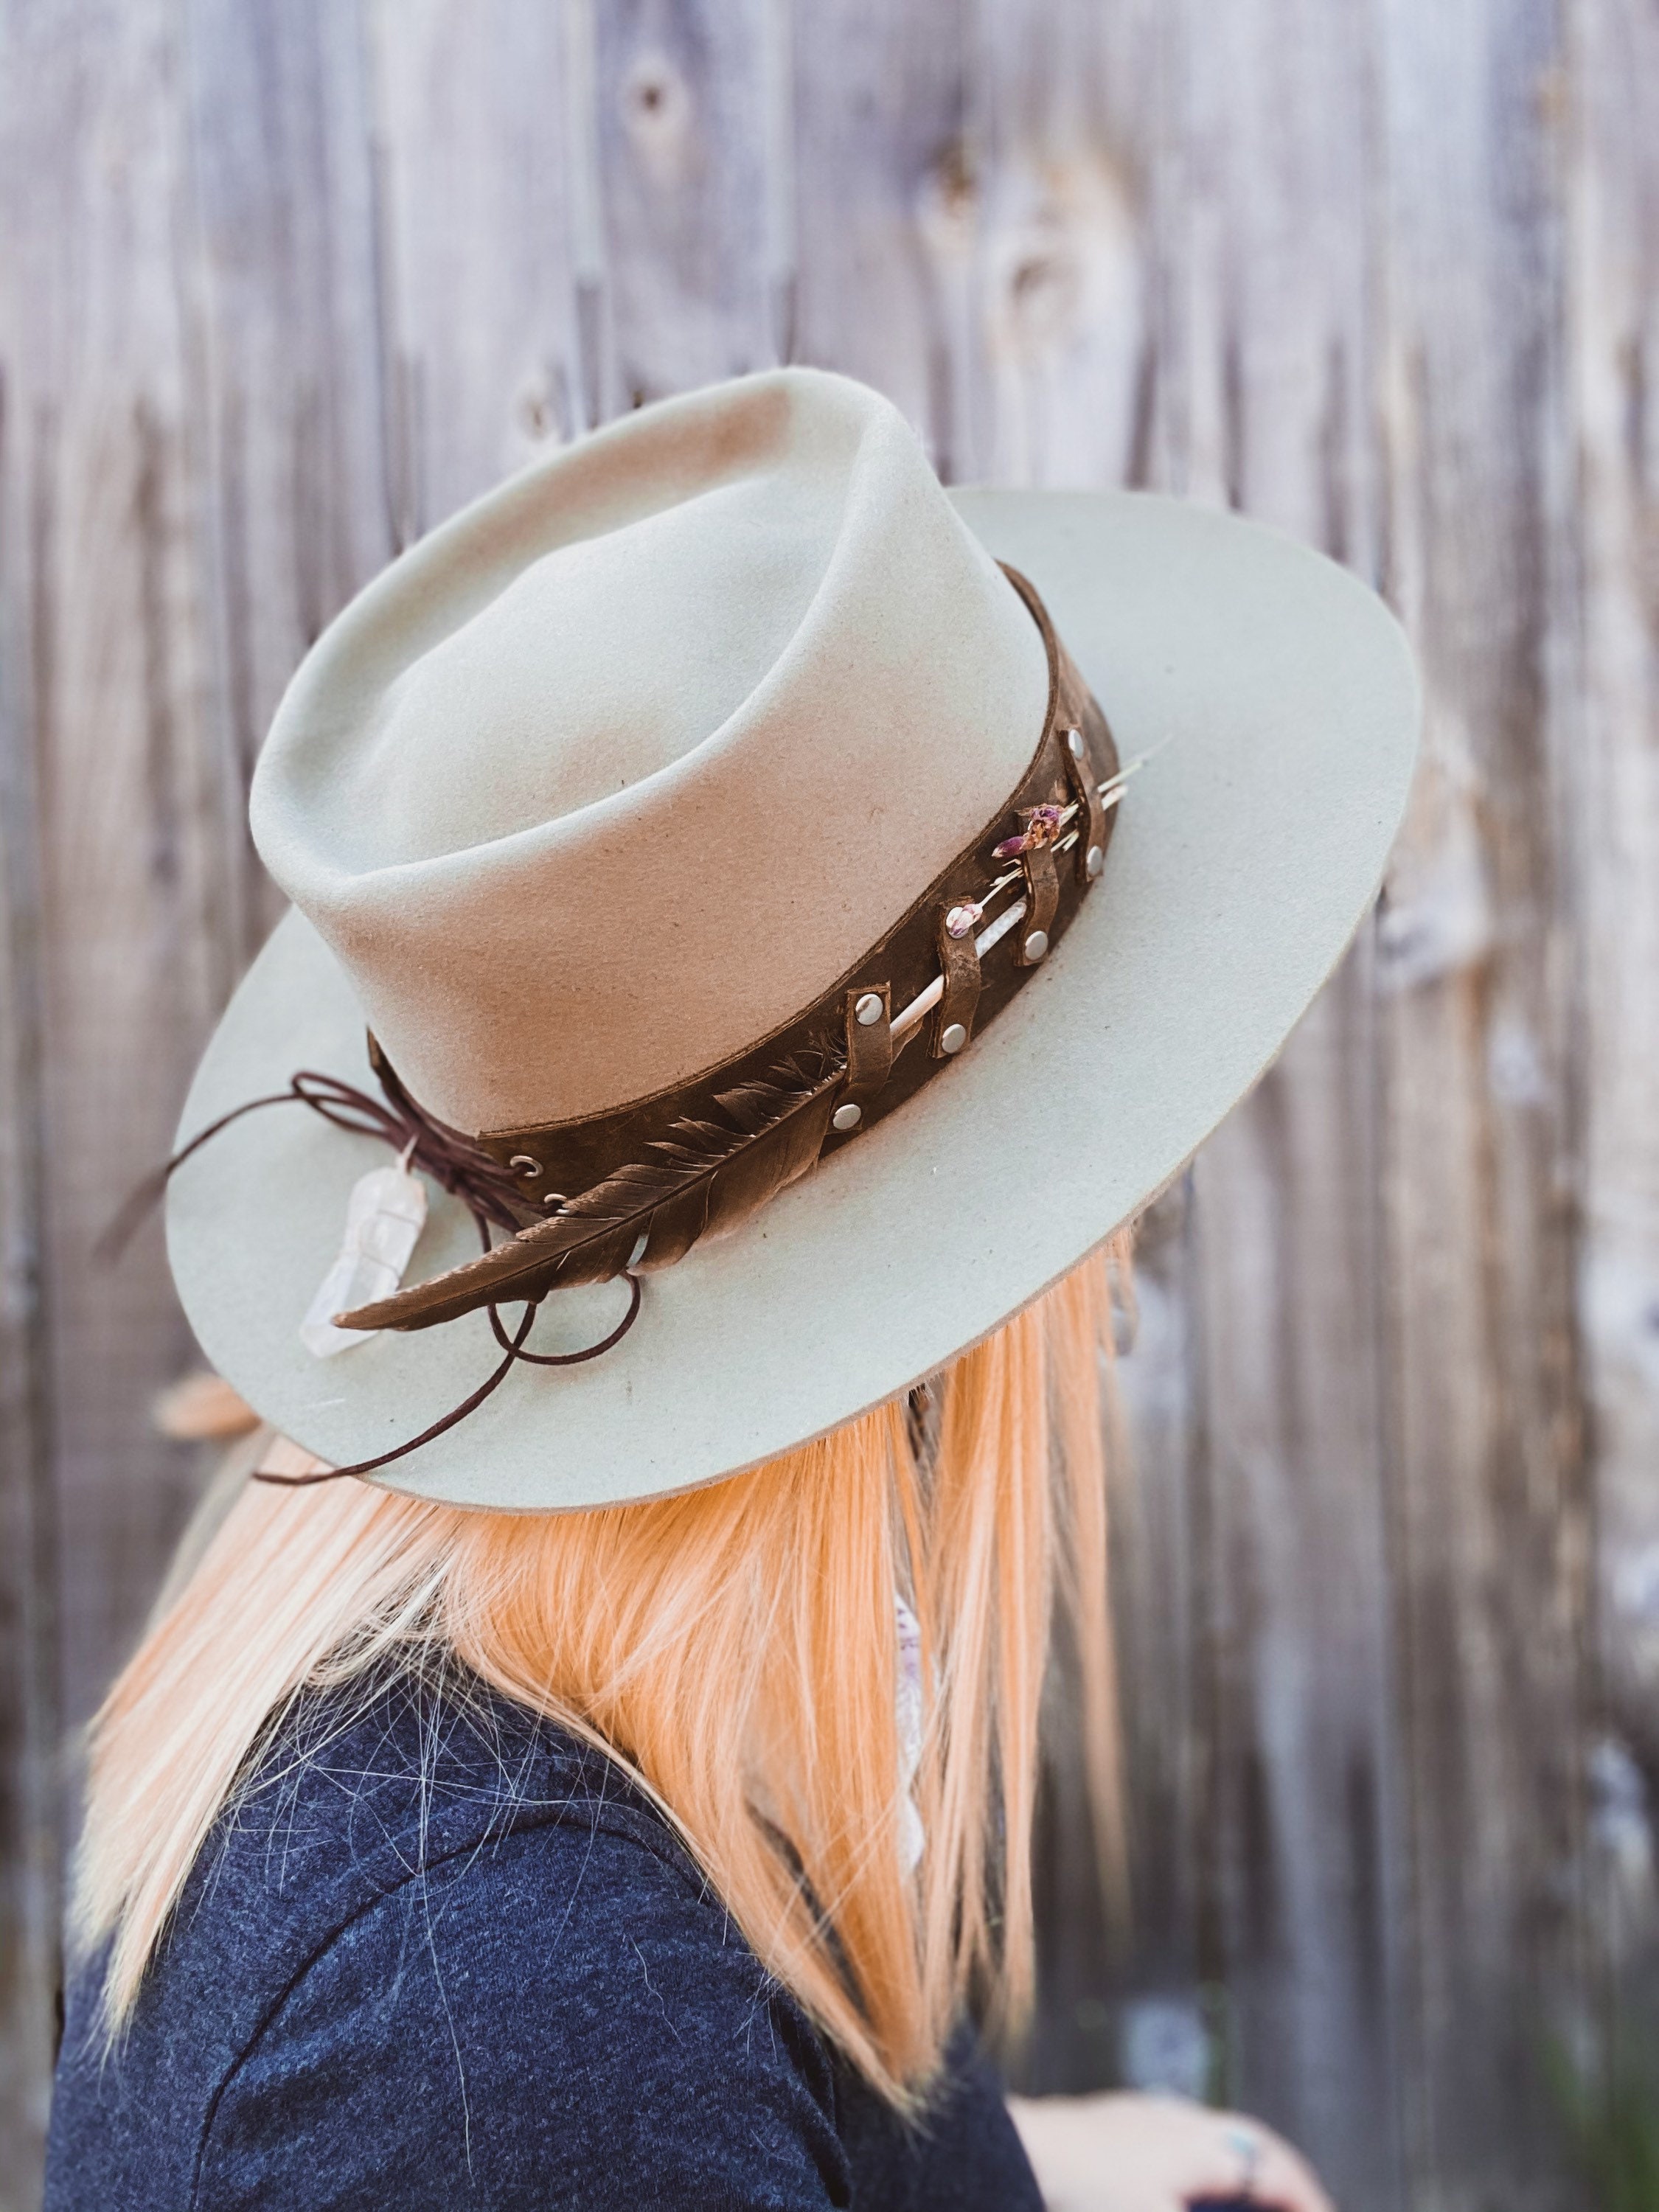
(968, 914)
(1043, 826)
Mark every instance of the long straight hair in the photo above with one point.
(735, 1648)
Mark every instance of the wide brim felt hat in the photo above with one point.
(1270, 693)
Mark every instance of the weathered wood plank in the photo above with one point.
(1271, 337)
(1486, 1468)
(880, 165)
(1607, 782)
(129, 823)
(682, 140)
(1045, 248)
(103, 883)
(279, 275)
(30, 1711)
(481, 251)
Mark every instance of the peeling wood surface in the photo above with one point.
(283, 285)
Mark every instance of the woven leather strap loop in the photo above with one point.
(869, 1042)
(1083, 778)
(958, 964)
(1035, 934)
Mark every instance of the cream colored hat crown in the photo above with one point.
(619, 770)
(613, 776)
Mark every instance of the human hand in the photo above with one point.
(1124, 2152)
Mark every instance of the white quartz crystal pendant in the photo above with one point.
(385, 1216)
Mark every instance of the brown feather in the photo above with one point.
(705, 1180)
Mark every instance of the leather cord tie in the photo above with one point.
(868, 1029)
(452, 1161)
(458, 1165)
(958, 968)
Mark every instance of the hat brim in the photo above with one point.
(1281, 694)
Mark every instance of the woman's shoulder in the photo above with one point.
(369, 1805)
(434, 1904)
(441, 1952)
(361, 1792)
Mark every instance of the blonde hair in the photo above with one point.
(735, 1648)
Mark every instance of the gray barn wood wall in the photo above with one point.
(283, 282)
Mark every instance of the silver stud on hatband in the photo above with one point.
(1074, 744)
(846, 1117)
(954, 1038)
(868, 1009)
(1036, 944)
(1094, 862)
(522, 1165)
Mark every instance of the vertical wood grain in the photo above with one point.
(108, 864)
(480, 256)
(31, 1708)
(1270, 341)
(279, 278)
(129, 833)
(1608, 778)
(1487, 1463)
(681, 138)
(883, 191)
(1056, 229)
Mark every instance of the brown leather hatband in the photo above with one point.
(632, 1189)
